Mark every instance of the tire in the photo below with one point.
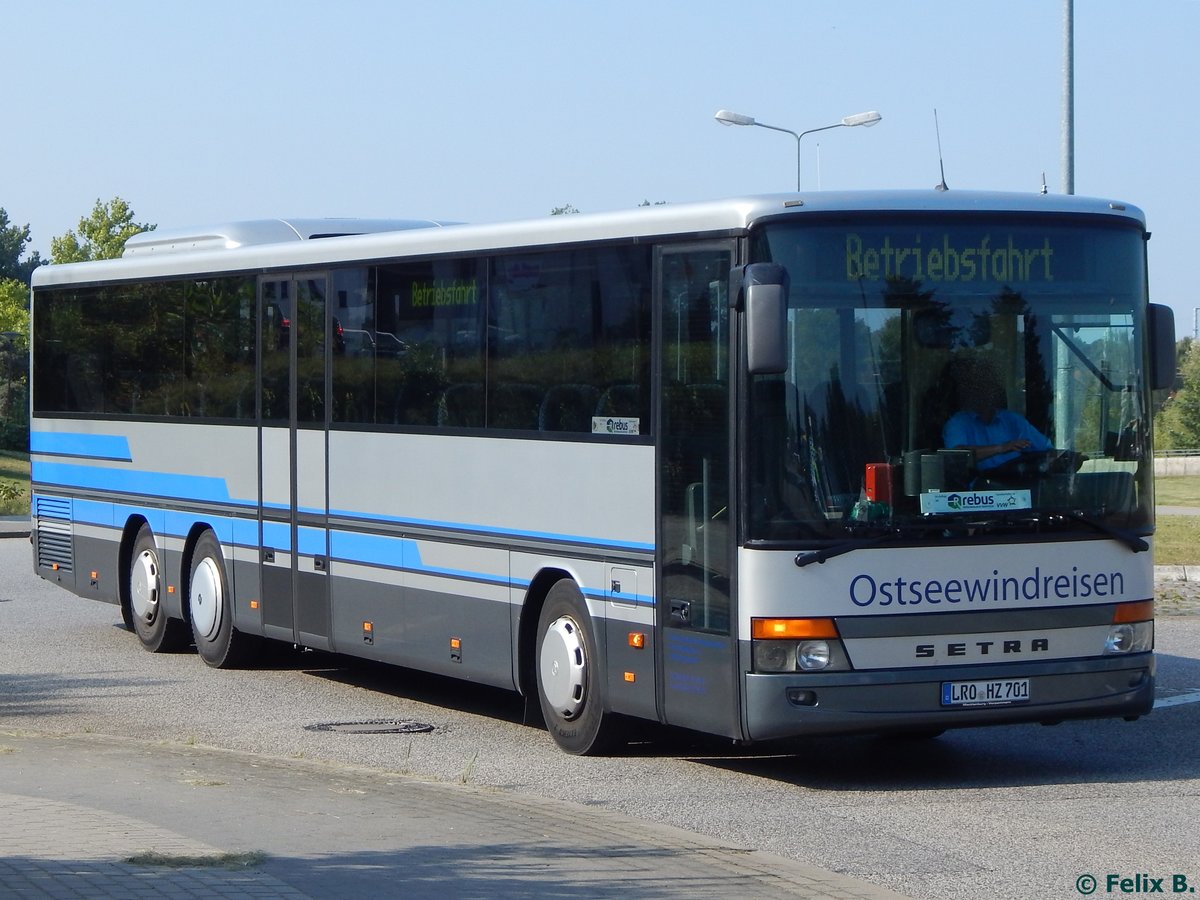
(570, 675)
(210, 605)
(144, 611)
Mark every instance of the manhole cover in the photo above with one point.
(372, 726)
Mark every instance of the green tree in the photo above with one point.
(1177, 424)
(14, 364)
(563, 210)
(13, 240)
(102, 235)
(14, 306)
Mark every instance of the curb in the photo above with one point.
(1177, 573)
(14, 527)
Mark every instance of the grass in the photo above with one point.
(233, 861)
(14, 483)
(1176, 542)
(1177, 490)
(1177, 538)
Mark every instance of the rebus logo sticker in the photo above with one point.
(614, 425)
(971, 501)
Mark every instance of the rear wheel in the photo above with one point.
(219, 644)
(570, 675)
(145, 611)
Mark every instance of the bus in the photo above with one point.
(682, 465)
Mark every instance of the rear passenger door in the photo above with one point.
(295, 336)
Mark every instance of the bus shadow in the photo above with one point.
(52, 694)
(439, 691)
(1155, 747)
(1158, 747)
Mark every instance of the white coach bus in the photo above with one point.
(692, 464)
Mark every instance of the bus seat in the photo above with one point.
(568, 407)
(514, 405)
(461, 406)
(620, 400)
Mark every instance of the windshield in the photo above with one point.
(952, 375)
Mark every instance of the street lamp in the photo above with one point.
(725, 117)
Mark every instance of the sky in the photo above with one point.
(474, 111)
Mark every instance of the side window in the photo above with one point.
(569, 340)
(219, 335)
(550, 342)
(159, 349)
(66, 361)
(354, 343)
(429, 336)
(310, 335)
(275, 336)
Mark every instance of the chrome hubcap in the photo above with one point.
(563, 666)
(206, 599)
(143, 586)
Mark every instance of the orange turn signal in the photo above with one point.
(796, 629)
(1141, 611)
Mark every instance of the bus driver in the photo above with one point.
(982, 425)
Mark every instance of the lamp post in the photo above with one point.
(726, 117)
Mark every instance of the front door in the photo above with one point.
(695, 595)
(293, 396)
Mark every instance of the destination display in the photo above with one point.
(1001, 258)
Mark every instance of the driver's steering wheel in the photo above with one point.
(1033, 464)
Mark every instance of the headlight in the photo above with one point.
(774, 656)
(813, 655)
(1130, 637)
(799, 656)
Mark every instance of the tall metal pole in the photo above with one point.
(1068, 110)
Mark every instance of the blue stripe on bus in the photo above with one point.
(216, 490)
(91, 446)
(398, 553)
(372, 549)
(277, 536)
(131, 481)
(506, 532)
(212, 489)
(312, 541)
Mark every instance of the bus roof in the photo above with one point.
(233, 235)
(289, 244)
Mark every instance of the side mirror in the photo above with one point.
(765, 293)
(1160, 325)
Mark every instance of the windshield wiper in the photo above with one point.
(1130, 540)
(808, 557)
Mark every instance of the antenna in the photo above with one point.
(941, 185)
(1045, 190)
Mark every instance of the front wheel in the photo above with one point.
(219, 644)
(570, 675)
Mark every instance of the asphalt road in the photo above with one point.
(1012, 812)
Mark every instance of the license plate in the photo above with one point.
(998, 692)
